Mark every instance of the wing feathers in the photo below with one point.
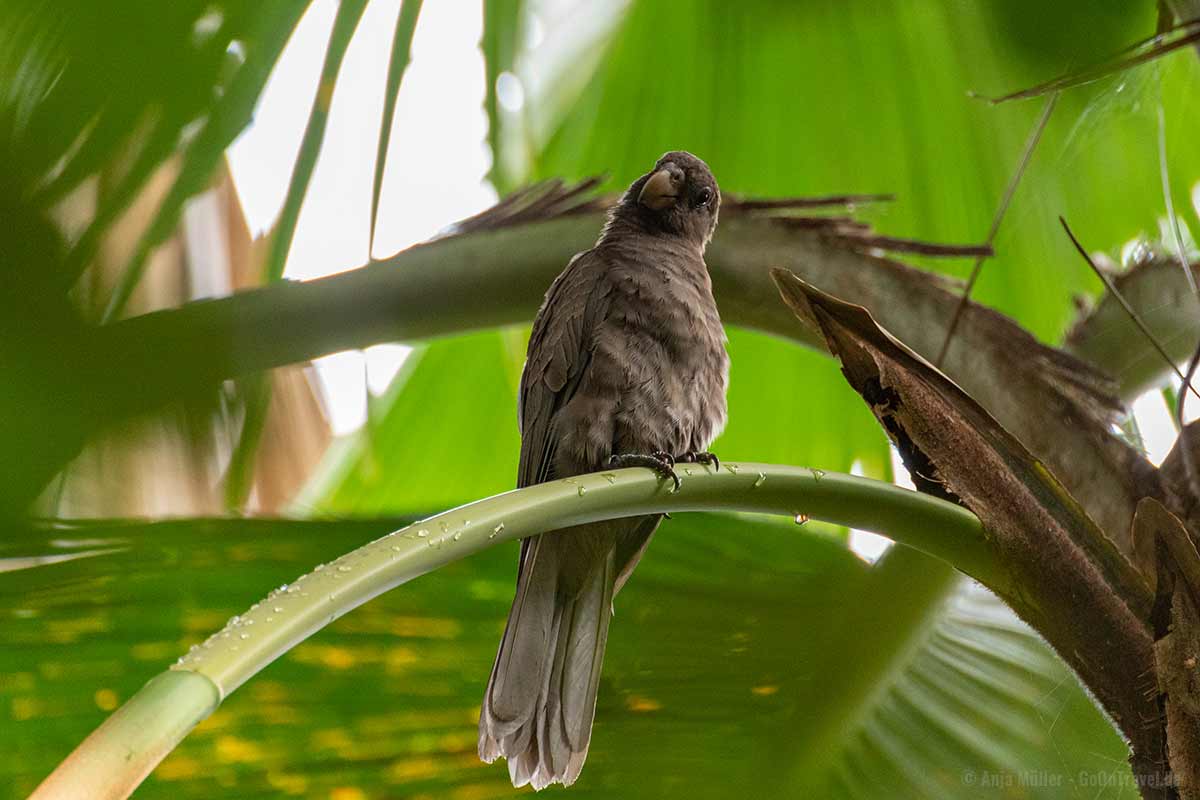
(559, 353)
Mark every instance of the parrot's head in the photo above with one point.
(678, 197)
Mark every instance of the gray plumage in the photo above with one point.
(627, 356)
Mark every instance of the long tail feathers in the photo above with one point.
(541, 697)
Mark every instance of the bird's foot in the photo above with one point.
(662, 463)
(700, 457)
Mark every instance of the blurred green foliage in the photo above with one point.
(729, 647)
(740, 637)
(103, 95)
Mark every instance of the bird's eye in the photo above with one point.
(705, 197)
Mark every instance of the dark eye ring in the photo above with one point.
(705, 197)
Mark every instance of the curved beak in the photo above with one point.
(658, 192)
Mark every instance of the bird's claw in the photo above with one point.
(662, 463)
(700, 457)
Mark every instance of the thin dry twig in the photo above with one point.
(541, 201)
(555, 199)
(1189, 463)
(752, 204)
(839, 224)
(1031, 143)
(1170, 203)
(1160, 44)
(1137, 320)
(895, 245)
